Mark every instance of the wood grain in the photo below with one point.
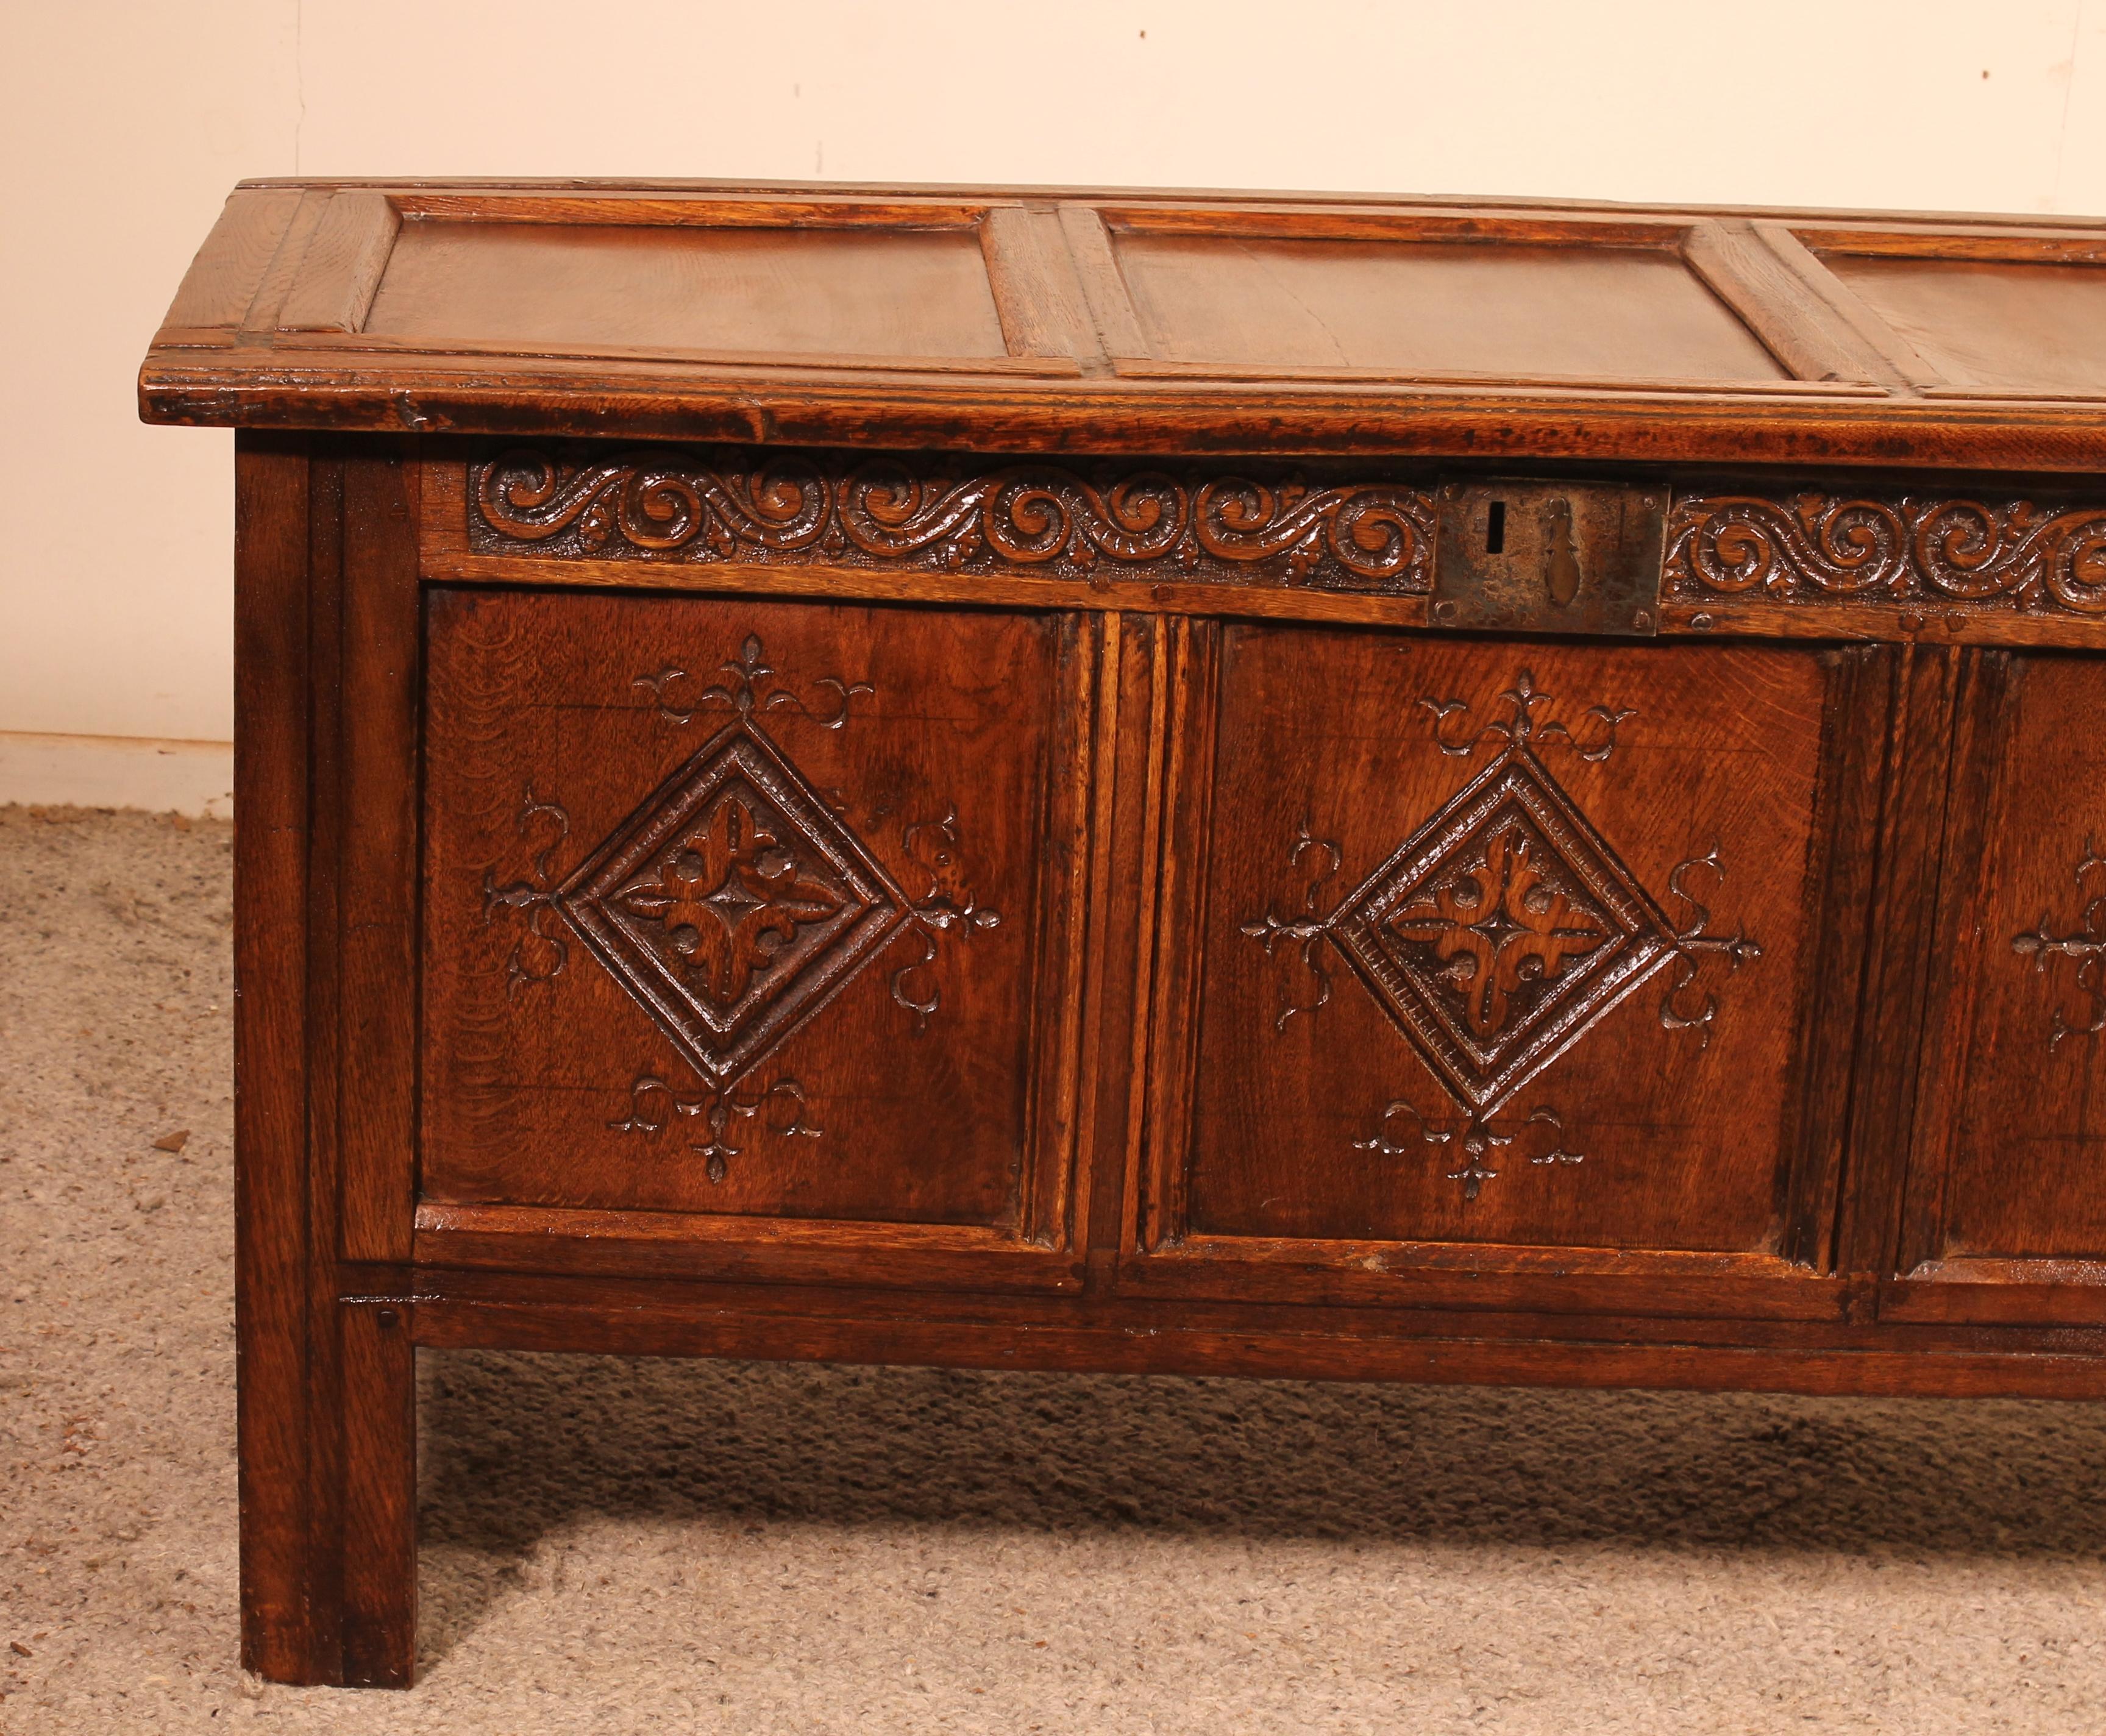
(935, 1072)
(376, 950)
(223, 278)
(1797, 327)
(978, 854)
(916, 293)
(1688, 1135)
(340, 272)
(271, 963)
(1494, 328)
(2003, 1188)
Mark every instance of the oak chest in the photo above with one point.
(1054, 779)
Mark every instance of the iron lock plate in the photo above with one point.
(1529, 556)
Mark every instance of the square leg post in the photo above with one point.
(326, 1373)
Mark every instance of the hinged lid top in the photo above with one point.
(1055, 319)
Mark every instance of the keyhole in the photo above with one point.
(1495, 528)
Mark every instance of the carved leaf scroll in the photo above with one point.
(730, 504)
(1903, 547)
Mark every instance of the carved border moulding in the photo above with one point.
(1499, 934)
(2086, 944)
(824, 509)
(735, 904)
(1940, 550)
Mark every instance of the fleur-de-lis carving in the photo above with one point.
(729, 898)
(948, 905)
(1479, 1139)
(2084, 944)
(650, 1097)
(749, 673)
(1502, 925)
(1521, 725)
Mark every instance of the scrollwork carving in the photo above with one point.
(1692, 941)
(1903, 547)
(728, 504)
(1305, 932)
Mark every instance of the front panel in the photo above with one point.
(745, 929)
(2005, 1217)
(1514, 959)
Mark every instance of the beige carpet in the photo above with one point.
(617, 1546)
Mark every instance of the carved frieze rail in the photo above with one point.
(1939, 548)
(1254, 525)
(1999, 551)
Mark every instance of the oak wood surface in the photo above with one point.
(272, 1249)
(325, 1407)
(1239, 323)
(1152, 1348)
(2003, 1184)
(2001, 327)
(800, 291)
(873, 773)
(895, 960)
(1310, 1118)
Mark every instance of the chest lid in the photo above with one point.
(1046, 319)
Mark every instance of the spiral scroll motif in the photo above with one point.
(2013, 554)
(778, 507)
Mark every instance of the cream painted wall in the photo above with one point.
(126, 122)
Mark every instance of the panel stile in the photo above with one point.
(326, 1097)
(1899, 967)
(1096, 266)
(1165, 638)
(340, 272)
(1839, 890)
(1035, 291)
(1181, 918)
(1063, 900)
(223, 278)
(279, 275)
(1901, 359)
(1100, 916)
(1982, 719)
(379, 850)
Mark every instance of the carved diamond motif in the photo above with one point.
(733, 904)
(1500, 930)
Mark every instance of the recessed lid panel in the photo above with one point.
(764, 292)
(2000, 325)
(1435, 309)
